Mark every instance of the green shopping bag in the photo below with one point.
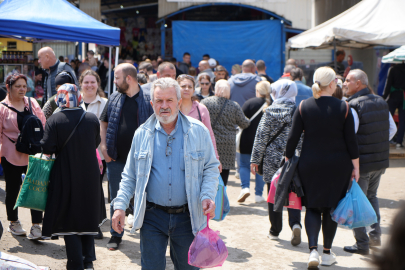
(34, 189)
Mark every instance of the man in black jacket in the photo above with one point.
(374, 127)
(395, 90)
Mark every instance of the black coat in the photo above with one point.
(249, 108)
(74, 197)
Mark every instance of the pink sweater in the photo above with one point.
(9, 128)
(205, 118)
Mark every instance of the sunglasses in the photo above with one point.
(186, 76)
(169, 140)
(205, 83)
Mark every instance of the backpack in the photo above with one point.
(31, 133)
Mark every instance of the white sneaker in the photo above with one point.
(244, 193)
(237, 175)
(16, 228)
(328, 259)
(130, 220)
(272, 237)
(35, 233)
(313, 261)
(296, 235)
(259, 199)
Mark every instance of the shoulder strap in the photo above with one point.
(11, 108)
(29, 102)
(61, 67)
(258, 112)
(71, 134)
(277, 134)
(199, 114)
(347, 109)
(220, 113)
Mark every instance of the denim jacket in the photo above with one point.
(201, 169)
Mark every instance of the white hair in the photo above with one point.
(164, 83)
(360, 75)
(323, 76)
(223, 89)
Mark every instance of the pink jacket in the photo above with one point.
(9, 128)
(205, 118)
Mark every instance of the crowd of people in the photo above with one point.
(168, 133)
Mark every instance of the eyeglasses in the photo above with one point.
(205, 83)
(168, 148)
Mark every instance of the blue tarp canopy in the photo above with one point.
(54, 20)
(231, 42)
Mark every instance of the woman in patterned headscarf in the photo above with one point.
(276, 117)
(73, 206)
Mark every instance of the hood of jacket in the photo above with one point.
(243, 79)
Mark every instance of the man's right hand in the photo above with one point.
(107, 157)
(118, 220)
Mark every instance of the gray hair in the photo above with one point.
(360, 75)
(164, 83)
(288, 68)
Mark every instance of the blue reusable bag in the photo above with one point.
(363, 212)
(222, 206)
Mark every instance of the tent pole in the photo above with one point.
(109, 71)
(334, 54)
(162, 39)
(117, 50)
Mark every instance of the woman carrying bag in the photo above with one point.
(269, 145)
(329, 159)
(14, 162)
(94, 102)
(253, 109)
(73, 204)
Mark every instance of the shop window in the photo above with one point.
(11, 45)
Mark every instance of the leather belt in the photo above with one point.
(169, 209)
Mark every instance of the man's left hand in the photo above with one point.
(208, 207)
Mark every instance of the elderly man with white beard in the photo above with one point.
(173, 173)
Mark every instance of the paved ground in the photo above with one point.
(244, 232)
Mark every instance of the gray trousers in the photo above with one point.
(369, 183)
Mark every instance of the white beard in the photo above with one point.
(168, 119)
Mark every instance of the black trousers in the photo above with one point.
(314, 218)
(80, 251)
(12, 176)
(225, 176)
(276, 218)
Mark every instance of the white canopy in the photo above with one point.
(370, 22)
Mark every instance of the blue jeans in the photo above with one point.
(369, 183)
(244, 172)
(114, 170)
(158, 227)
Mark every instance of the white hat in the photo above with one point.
(212, 62)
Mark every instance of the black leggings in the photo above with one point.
(80, 250)
(314, 218)
(12, 176)
(225, 176)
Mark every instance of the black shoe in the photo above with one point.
(88, 266)
(355, 249)
(374, 242)
(99, 234)
(114, 243)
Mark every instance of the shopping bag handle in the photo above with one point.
(208, 219)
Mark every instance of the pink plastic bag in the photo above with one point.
(294, 201)
(207, 249)
(100, 164)
(272, 192)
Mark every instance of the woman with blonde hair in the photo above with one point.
(225, 115)
(253, 107)
(329, 159)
